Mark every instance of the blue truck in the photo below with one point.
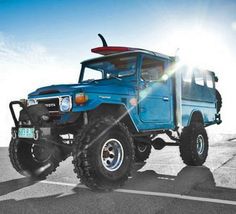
(123, 102)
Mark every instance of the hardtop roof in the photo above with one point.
(151, 53)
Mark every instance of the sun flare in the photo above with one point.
(200, 47)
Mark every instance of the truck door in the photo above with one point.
(155, 94)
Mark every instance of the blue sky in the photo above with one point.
(68, 27)
(43, 41)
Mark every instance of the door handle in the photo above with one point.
(165, 99)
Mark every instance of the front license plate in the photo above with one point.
(26, 132)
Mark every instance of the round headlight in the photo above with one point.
(65, 104)
(31, 102)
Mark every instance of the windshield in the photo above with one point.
(109, 67)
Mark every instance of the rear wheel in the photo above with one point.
(103, 156)
(194, 145)
(142, 151)
(34, 160)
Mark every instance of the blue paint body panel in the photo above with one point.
(156, 100)
(189, 107)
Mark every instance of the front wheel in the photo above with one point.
(103, 156)
(194, 145)
(34, 160)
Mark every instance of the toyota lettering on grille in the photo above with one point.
(50, 105)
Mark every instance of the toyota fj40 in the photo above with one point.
(114, 115)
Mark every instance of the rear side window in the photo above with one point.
(152, 69)
(209, 81)
(199, 77)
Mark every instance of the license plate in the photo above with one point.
(26, 132)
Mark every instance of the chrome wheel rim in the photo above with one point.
(200, 144)
(112, 154)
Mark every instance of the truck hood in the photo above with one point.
(107, 88)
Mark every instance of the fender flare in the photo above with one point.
(196, 117)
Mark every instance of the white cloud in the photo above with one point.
(233, 26)
(25, 67)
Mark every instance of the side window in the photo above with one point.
(152, 69)
(199, 77)
(187, 74)
(209, 81)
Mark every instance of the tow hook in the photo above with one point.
(14, 134)
(36, 135)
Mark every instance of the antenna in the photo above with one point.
(104, 43)
(177, 54)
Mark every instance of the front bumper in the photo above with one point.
(40, 133)
(33, 126)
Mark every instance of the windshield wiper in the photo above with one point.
(114, 76)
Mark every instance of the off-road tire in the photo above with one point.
(218, 101)
(24, 162)
(142, 151)
(87, 154)
(191, 138)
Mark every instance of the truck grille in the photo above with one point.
(52, 104)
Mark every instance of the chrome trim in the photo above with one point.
(53, 97)
(60, 101)
(31, 104)
(112, 155)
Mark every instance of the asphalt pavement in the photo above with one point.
(161, 185)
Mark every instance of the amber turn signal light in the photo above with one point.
(81, 98)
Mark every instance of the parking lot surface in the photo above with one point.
(161, 185)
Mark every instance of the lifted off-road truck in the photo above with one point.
(124, 101)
